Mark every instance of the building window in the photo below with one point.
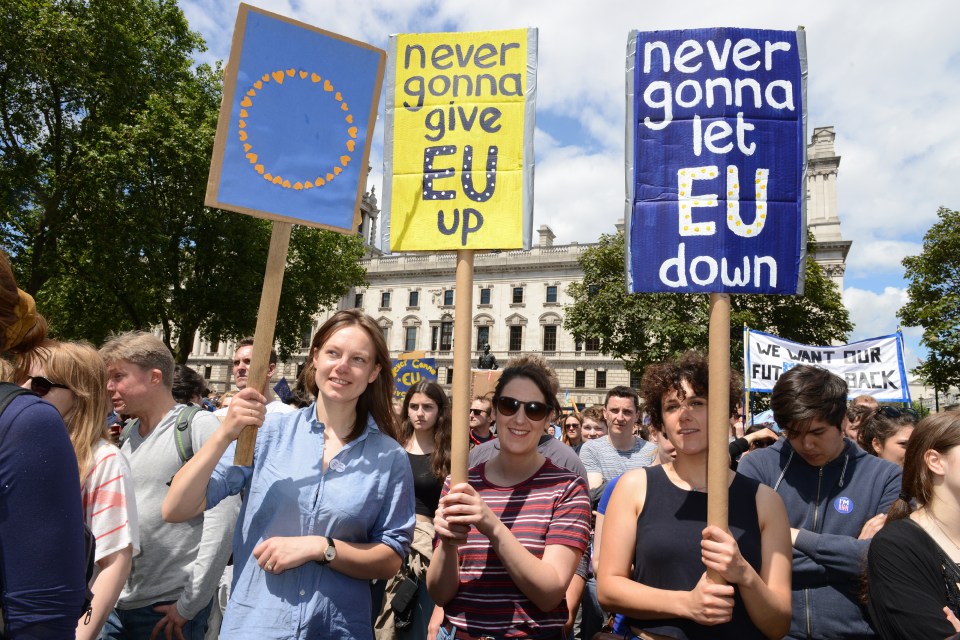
(446, 335)
(207, 372)
(385, 300)
(579, 379)
(449, 375)
(593, 344)
(484, 296)
(601, 379)
(578, 345)
(635, 379)
(483, 337)
(300, 368)
(551, 293)
(214, 345)
(550, 338)
(518, 295)
(434, 337)
(447, 297)
(516, 338)
(358, 301)
(385, 330)
(414, 299)
(410, 339)
(306, 338)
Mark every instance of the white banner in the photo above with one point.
(873, 366)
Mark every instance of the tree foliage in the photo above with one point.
(642, 329)
(934, 292)
(106, 139)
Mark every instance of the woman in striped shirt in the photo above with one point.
(510, 538)
(71, 376)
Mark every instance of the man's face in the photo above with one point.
(817, 444)
(480, 414)
(130, 386)
(241, 366)
(620, 414)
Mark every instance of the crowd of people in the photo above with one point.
(844, 518)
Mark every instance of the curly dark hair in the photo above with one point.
(692, 367)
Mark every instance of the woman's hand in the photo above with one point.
(720, 553)
(463, 508)
(710, 603)
(247, 409)
(276, 555)
(449, 534)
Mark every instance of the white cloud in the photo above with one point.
(879, 256)
(875, 314)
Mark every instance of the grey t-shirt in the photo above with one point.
(600, 456)
(181, 561)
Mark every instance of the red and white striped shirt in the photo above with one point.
(551, 507)
(109, 505)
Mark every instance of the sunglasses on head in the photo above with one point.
(534, 410)
(478, 412)
(41, 386)
(895, 413)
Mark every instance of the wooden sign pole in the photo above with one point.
(266, 323)
(718, 454)
(462, 324)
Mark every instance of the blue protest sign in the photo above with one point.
(293, 138)
(716, 161)
(407, 373)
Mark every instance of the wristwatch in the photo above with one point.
(330, 553)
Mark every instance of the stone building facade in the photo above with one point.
(519, 297)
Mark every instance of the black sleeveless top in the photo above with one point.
(426, 487)
(667, 556)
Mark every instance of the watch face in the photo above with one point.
(330, 553)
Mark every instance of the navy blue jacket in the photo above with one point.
(829, 505)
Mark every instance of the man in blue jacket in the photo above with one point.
(836, 496)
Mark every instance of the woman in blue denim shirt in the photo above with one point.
(328, 502)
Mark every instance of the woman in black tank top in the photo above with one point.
(425, 434)
(657, 547)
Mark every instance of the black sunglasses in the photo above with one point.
(895, 413)
(478, 412)
(535, 411)
(41, 386)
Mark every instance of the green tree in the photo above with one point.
(934, 292)
(642, 329)
(108, 229)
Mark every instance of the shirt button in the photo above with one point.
(302, 592)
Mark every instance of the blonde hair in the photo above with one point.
(80, 367)
(143, 349)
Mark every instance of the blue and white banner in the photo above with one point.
(716, 161)
(873, 366)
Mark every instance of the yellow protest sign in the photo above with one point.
(458, 150)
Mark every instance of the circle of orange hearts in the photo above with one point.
(278, 78)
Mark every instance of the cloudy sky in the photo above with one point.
(885, 75)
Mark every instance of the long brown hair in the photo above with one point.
(80, 367)
(375, 399)
(939, 432)
(564, 438)
(440, 458)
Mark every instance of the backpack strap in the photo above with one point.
(183, 434)
(9, 391)
(128, 427)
